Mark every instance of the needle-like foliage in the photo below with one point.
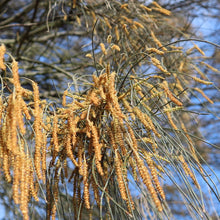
(125, 126)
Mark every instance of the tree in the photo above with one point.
(118, 89)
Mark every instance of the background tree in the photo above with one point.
(134, 82)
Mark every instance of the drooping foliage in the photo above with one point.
(123, 119)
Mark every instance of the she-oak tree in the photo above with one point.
(123, 120)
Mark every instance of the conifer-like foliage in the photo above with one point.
(124, 124)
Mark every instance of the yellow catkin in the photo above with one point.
(177, 108)
(107, 23)
(210, 67)
(178, 83)
(2, 53)
(118, 170)
(74, 3)
(24, 186)
(95, 142)
(89, 55)
(204, 95)
(79, 97)
(141, 117)
(37, 129)
(133, 138)
(112, 139)
(119, 136)
(93, 114)
(188, 170)
(199, 71)
(69, 150)
(152, 125)
(175, 47)
(83, 115)
(157, 63)
(64, 98)
(159, 168)
(201, 81)
(199, 49)
(171, 97)
(156, 4)
(27, 184)
(124, 27)
(159, 44)
(2, 138)
(147, 140)
(18, 91)
(101, 92)
(109, 39)
(154, 146)
(124, 6)
(93, 98)
(1, 110)
(103, 78)
(25, 110)
(103, 49)
(86, 184)
(95, 80)
(145, 8)
(138, 24)
(80, 157)
(4, 134)
(130, 202)
(123, 95)
(55, 191)
(65, 17)
(54, 134)
(16, 76)
(134, 27)
(97, 148)
(128, 20)
(171, 120)
(99, 167)
(33, 190)
(44, 155)
(65, 168)
(11, 122)
(162, 11)
(6, 166)
(17, 175)
(20, 121)
(189, 51)
(133, 164)
(144, 173)
(117, 35)
(112, 97)
(81, 105)
(129, 108)
(181, 66)
(155, 50)
(154, 175)
(115, 47)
